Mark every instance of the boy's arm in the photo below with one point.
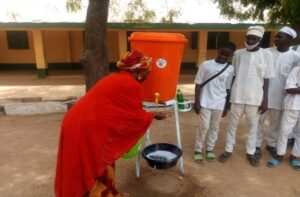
(292, 85)
(197, 98)
(293, 90)
(228, 91)
(227, 103)
(198, 81)
(270, 73)
(264, 104)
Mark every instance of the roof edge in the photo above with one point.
(76, 25)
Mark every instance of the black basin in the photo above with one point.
(162, 155)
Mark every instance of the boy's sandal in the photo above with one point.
(253, 160)
(295, 164)
(224, 157)
(272, 150)
(273, 163)
(210, 156)
(198, 158)
(258, 153)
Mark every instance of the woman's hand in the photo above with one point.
(160, 115)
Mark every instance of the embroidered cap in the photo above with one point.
(289, 31)
(256, 31)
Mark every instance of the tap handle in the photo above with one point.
(156, 95)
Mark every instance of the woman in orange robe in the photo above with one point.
(100, 128)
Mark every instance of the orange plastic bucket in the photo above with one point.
(166, 50)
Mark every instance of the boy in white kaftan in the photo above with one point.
(285, 59)
(210, 99)
(253, 67)
(290, 117)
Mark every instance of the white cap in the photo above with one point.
(256, 31)
(289, 31)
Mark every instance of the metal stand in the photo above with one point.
(167, 105)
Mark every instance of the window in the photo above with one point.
(215, 39)
(194, 40)
(17, 40)
(265, 41)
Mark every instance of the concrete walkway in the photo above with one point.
(22, 93)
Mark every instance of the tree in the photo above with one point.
(271, 11)
(73, 5)
(95, 55)
(169, 18)
(138, 12)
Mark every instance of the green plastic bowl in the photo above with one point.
(134, 150)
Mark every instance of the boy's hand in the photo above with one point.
(225, 112)
(264, 106)
(226, 109)
(197, 108)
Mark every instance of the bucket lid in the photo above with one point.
(157, 36)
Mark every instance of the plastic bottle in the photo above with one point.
(180, 100)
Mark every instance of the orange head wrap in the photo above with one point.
(134, 62)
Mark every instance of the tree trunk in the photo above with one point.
(95, 56)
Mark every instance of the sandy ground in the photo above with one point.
(28, 147)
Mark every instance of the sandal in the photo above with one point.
(224, 157)
(210, 156)
(273, 163)
(295, 164)
(198, 158)
(258, 153)
(253, 160)
(272, 150)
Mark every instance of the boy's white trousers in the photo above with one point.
(289, 121)
(274, 127)
(252, 116)
(209, 123)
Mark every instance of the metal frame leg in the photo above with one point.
(178, 136)
(138, 158)
(138, 164)
(148, 142)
